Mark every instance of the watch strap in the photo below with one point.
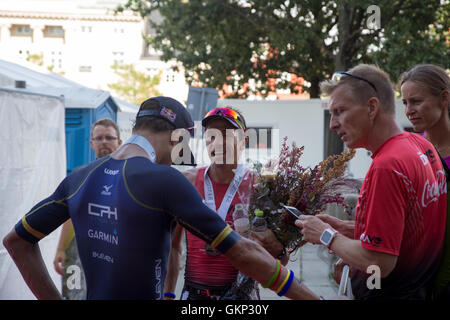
(333, 235)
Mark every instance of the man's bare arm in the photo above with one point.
(349, 250)
(352, 253)
(174, 260)
(271, 244)
(254, 261)
(28, 258)
(345, 227)
(63, 243)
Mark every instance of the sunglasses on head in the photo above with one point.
(227, 113)
(338, 75)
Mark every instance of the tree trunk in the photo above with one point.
(344, 25)
(314, 91)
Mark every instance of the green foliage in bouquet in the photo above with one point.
(288, 183)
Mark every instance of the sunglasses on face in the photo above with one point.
(338, 75)
(107, 138)
(227, 113)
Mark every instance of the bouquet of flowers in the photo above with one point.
(286, 182)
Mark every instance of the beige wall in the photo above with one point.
(93, 37)
(303, 122)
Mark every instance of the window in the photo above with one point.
(87, 29)
(21, 30)
(153, 72)
(85, 69)
(24, 54)
(170, 78)
(170, 75)
(53, 32)
(55, 59)
(118, 57)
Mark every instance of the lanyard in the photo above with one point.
(229, 195)
(144, 144)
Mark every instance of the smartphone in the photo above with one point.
(293, 211)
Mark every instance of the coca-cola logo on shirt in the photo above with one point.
(432, 191)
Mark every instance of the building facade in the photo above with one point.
(82, 40)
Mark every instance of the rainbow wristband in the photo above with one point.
(286, 284)
(274, 276)
(170, 295)
(275, 282)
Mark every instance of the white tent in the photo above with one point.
(41, 81)
(126, 115)
(32, 163)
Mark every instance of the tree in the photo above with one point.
(36, 58)
(134, 86)
(405, 48)
(235, 42)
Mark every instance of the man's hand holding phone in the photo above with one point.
(293, 211)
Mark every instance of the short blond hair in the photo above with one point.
(363, 91)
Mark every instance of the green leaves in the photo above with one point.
(134, 86)
(253, 46)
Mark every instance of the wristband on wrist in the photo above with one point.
(170, 295)
(274, 276)
(286, 284)
(275, 282)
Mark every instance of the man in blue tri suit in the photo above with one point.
(124, 208)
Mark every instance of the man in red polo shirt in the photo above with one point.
(401, 211)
